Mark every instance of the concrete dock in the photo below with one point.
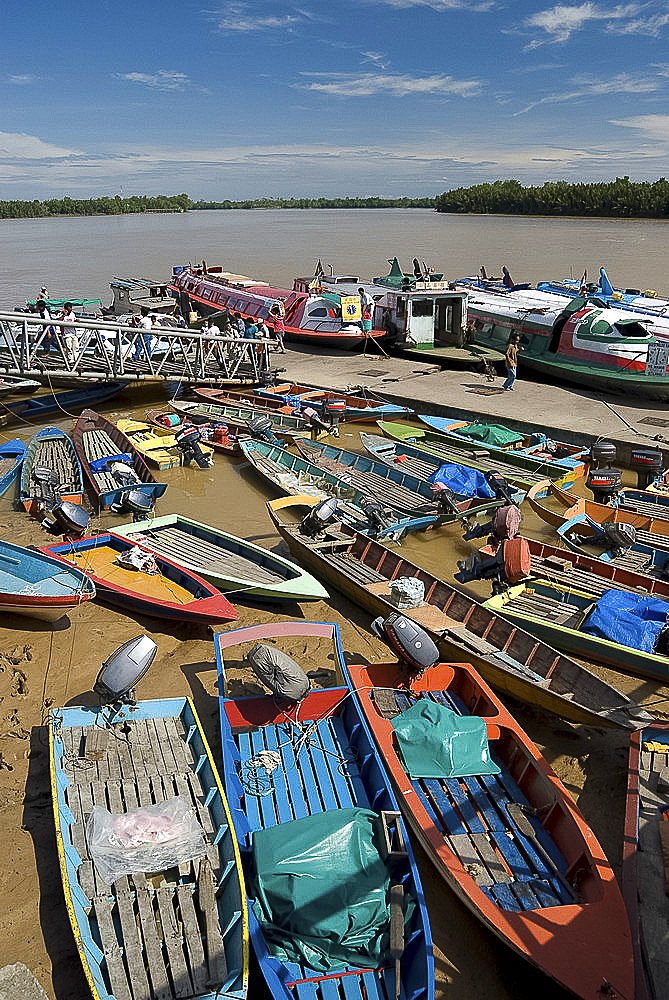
(568, 413)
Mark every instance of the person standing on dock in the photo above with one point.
(49, 338)
(277, 312)
(145, 325)
(70, 332)
(511, 358)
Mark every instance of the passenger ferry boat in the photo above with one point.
(575, 340)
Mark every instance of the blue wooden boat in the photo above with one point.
(51, 449)
(101, 446)
(292, 475)
(331, 767)
(361, 408)
(71, 401)
(12, 454)
(36, 585)
(403, 492)
(186, 932)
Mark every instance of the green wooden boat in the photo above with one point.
(556, 614)
(518, 469)
(232, 564)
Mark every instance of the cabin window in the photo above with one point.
(319, 311)
(401, 304)
(422, 307)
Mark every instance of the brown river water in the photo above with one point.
(41, 666)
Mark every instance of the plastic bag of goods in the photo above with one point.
(407, 592)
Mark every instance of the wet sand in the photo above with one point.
(41, 667)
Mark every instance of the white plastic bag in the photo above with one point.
(149, 839)
(407, 592)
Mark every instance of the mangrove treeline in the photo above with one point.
(621, 198)
(94, 206)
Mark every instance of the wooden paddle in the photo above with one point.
(397, 931)
(518, 813)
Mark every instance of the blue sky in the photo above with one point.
(387, 97)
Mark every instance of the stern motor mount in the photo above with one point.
(188, 440)
(414, 648)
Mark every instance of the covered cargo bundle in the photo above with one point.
(463, 480)
(435, 742)
(495, 434)
(634, 620)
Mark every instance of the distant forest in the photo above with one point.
(94, 206)
(320, 203)
(621, 198)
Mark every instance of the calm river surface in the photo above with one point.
(78, 256)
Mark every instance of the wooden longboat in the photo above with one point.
(36, 409)
(292, 475)
(514, 466)
(651, 530)
(157, 445)
(400, 491)
(361, 408)
(244, 397)
(184, 930)
(36, 585)
(232, 564)
(238, 417)
(12, 454)
(222, 441)
(644, 875)
(505, 654)
(558, 454)
(96, 440)
(336, 768)
(173, 593)
(53, 450)
(555, 613)
(544, 887)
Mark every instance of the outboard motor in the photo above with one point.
(378, 516)
(319, 517)
(602, 454)
(188, 441)
(315, 420)
(135, 502)
(445, 498)
(505, 523)
(649, 464)
(49, 484)
(616, 538)
(414, 648)
(261, 427)
(334, 410)
(510, 564)
(499, 486)
(67, 519)
(604, 484)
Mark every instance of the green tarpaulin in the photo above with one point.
(435, 742)
(321, 890)
(495, 434)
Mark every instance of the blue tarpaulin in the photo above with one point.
(102, 464)
(633, 620)
(463, 480)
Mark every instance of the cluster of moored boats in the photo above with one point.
(301, 846)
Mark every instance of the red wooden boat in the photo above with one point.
(217, 436)
(312, 318)
(173, 593)
(643, 868)
(543, 885)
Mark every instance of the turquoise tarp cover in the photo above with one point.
(634, 620)
(435, 742)
(321, 890)
(463, 480)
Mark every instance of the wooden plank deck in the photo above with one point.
(175, 543)
(654, 903)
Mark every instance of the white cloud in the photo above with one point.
(21, 79)
(652, 126)
(20, 146)
(561, 21)
(396, 85)
(163, 79)
(237, 18)
(437, 5)
(580, 87)
(376, 58)
(649, 26)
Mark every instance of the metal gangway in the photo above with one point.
(108, 351)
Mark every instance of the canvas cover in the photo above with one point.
(321, 890)
(435, 742)
(462, 480)
(495, 434)
(634, 620)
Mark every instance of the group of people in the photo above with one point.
(233, 324)
(68, 330)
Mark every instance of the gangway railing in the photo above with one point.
(30, 345)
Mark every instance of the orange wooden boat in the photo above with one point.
(601, 513)
(543, 885)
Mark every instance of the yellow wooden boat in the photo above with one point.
(156, 445)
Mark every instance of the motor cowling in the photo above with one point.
(136, 502)
(261, 427)
(619, 536)
(319, 517)
(604, 484)
(445, 498)
(511, 563)
(648, 463)
(499, 486)
(68, 519)
(188, 441)
(412, 645)
(602, 454)
(334, 410)
(378, 516)
(315, 420)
